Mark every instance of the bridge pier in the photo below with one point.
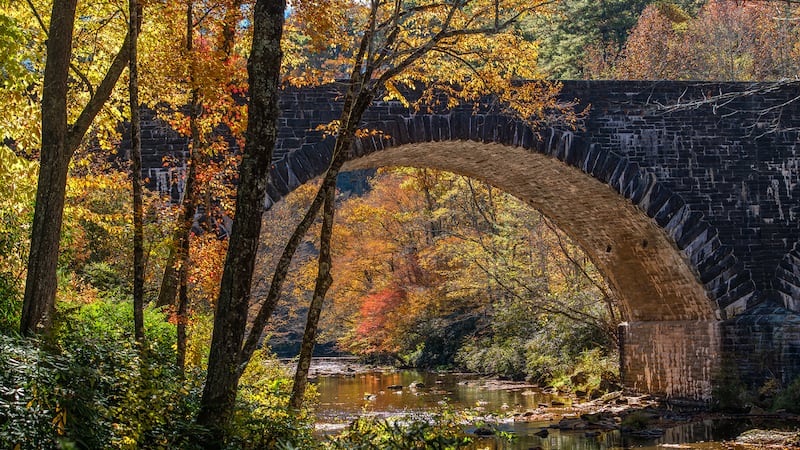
(690, 359)
(760, 345)
(670, 359)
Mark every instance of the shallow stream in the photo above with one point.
(348, 390)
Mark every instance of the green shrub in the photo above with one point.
(262, 418)
(104, 277)
(505, 358)
(30, 413)
(789, 398)
(443, 431)
(89, 387)
(10, 303)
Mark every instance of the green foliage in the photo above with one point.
(104, 277)
(10, 303)
(442, 431)
(28, 391)
(90, 387)
(506, 357)
(578, 26)
(561, 356)
(262, 418)
(10, 40)
(789, 398)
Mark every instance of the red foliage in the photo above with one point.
(376, 317)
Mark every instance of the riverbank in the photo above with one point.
(647, 417)
(537, 415)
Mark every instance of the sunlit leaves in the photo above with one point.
(450, 51)
(21, 61)
(17, 192)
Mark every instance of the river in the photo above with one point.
(348, 390)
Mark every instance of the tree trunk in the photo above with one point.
(136, 175)
(59, 142)
(189, 200)
(41, 283)
(230, 320)
(169, 281)
(179, 252)
(180, 314)
(323, 282)
(356, 104)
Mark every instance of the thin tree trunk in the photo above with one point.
(169, 283)
(230, 320)
(282, 267)
(354, 106)
(183, 305)
(40, 287)
(189, 206)
(179, 252)
(323, 282)
(351, 117)
(136, 175)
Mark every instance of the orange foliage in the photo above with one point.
(746, 41)
(205, 271)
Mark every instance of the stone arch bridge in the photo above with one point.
(692, 214)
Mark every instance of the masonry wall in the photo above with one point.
(728, 167)
(732, 160)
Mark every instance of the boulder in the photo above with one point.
(579, 378)
(484, 431)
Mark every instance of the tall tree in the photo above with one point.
(40, 287)
(59, 142)
(135, 11)
(230, 320)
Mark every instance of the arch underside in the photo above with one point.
(649, 274)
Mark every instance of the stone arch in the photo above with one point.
(667, 263)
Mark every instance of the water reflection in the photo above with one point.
(383, 394)
(345, 397)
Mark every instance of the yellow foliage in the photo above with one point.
(449, 52)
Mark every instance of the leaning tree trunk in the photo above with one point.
(40, 286)
(230, 320)
(323, 282)
(356, 104)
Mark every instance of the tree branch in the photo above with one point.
(104, 90)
